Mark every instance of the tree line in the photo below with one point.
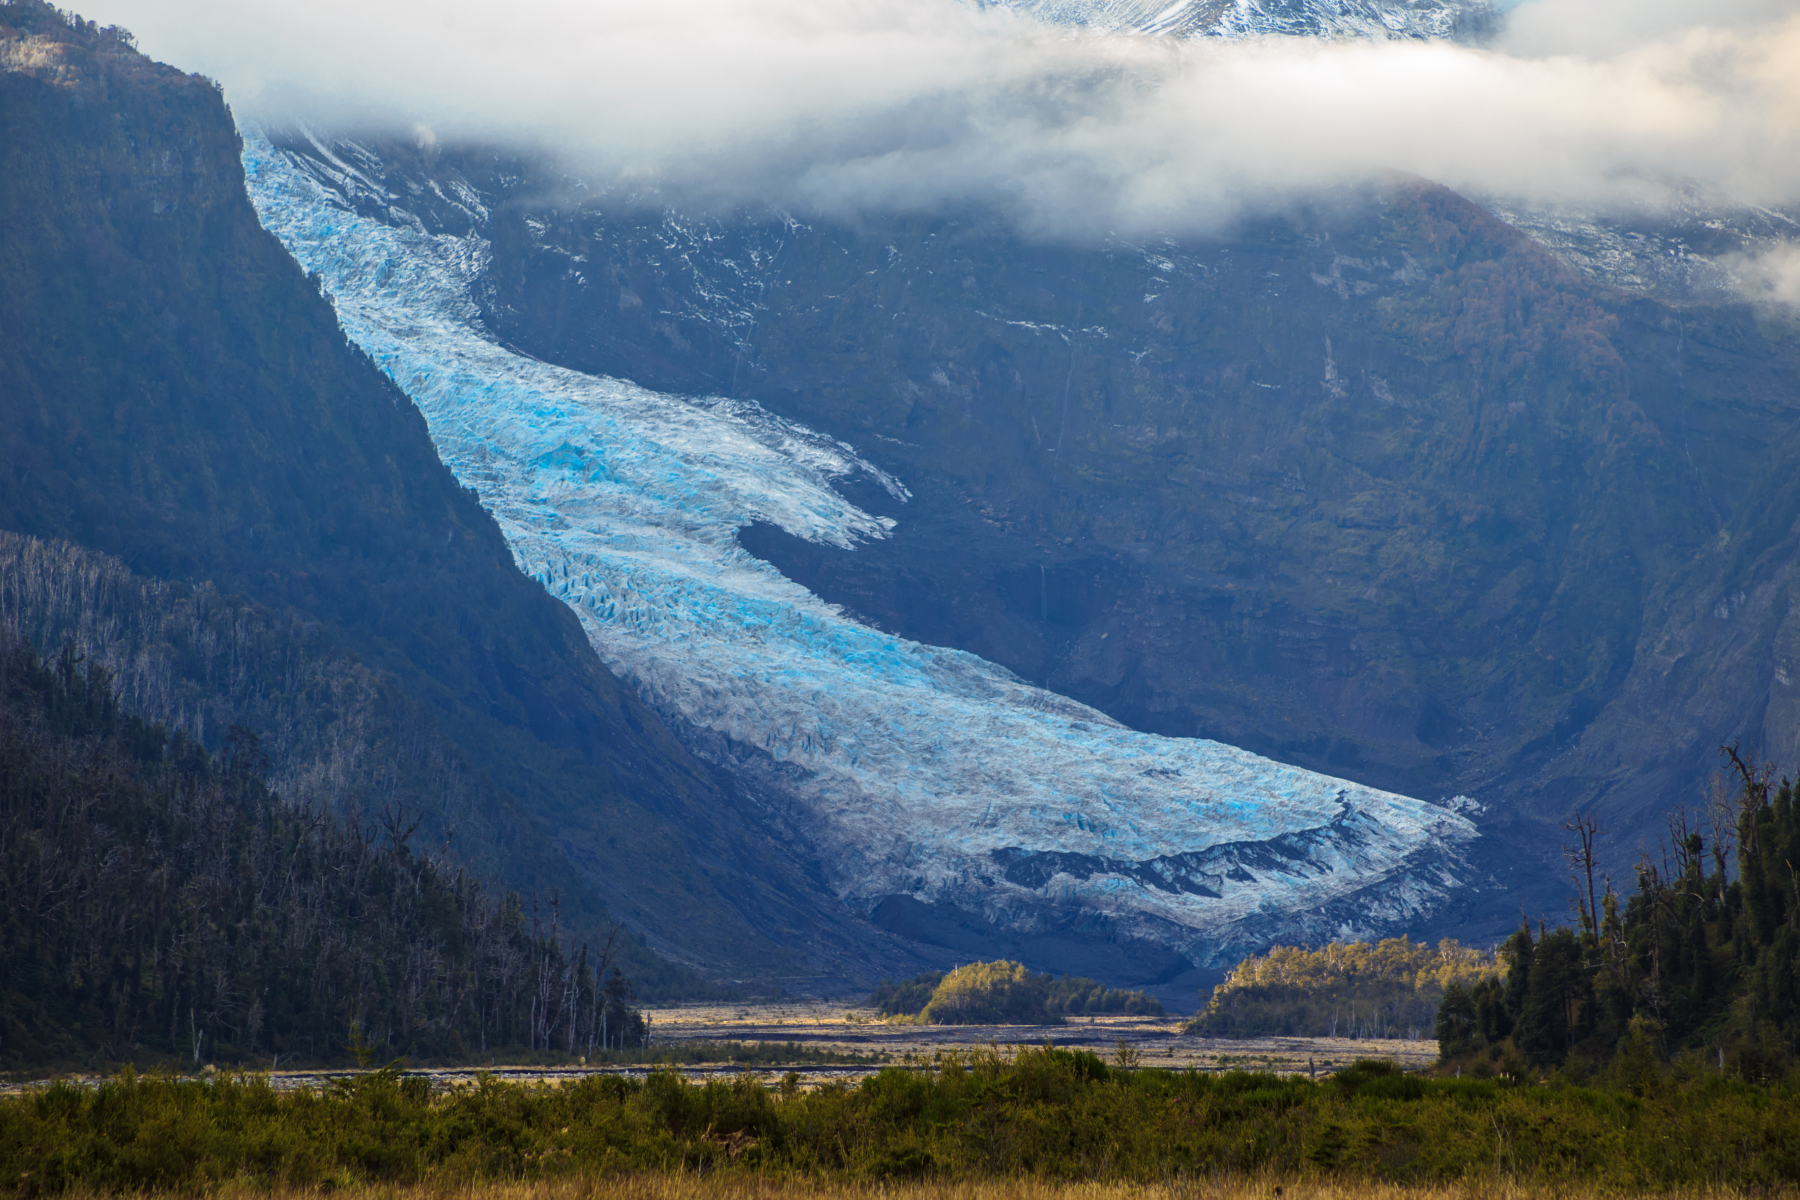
(159, 901)
(1386, 989)
(1703, 956)
(1004, 993)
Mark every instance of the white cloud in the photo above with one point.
(1771, 277)
(864, 104)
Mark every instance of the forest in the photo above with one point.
(1003, 993)
(1388, 989)
(1702, 958)
(159, 902)
(334, 730)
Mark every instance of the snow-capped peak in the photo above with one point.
(1377, 20)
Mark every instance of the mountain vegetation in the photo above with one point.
(334, 733)
(160, 902)
(1035, 1114)
(1386, 989)
(1004, 993)
(1705, 954)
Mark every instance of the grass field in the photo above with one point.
(737, 1187)
(970, 1125)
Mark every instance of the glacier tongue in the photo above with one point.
(915, 770)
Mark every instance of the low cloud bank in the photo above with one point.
(1772, 277)
(847, 106)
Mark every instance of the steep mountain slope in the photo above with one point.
(173, 391)
(1718, 662)
(937, 791)
(1376, 486)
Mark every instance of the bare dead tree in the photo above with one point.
(1586, 828)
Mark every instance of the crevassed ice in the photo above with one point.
(914, 765)
(1379, 20)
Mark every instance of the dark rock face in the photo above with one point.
(1376, 485)
(175, 393)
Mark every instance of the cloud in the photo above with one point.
(858, 105)
(1605, 27)
(1772, 277)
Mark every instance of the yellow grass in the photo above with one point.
(688, 1187)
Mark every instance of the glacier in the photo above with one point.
(912, 770)
(1375, 20)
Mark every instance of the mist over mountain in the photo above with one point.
(1078, 118)
(1102, 484)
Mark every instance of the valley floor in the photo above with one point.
(1158, 1042)
(817, 1025)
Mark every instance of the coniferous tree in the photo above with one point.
(1705, 952)
(158, 901)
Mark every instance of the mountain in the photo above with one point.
(954, 802)
(927, 591)
(176, 394)
(1377, 486)
(1347, 19)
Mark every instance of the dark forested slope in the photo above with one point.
(156, 900)
(174, 392)
(335, 734)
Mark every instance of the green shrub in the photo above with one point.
(1005, 993)
(996, 993)
(1047, 1113)
(907, 998)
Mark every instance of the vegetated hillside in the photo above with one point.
(1718, 661)
(174, 392)
(335, 734)
(1391, 989)
(1375, 485)
(158, 902)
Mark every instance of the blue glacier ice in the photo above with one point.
(1376, 20)
(915, 770)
